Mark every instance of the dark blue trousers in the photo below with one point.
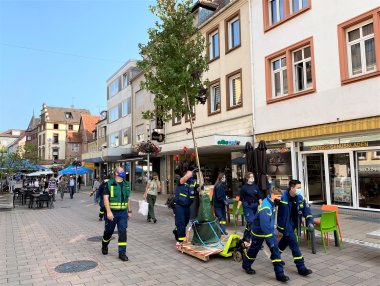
(102, 210)
(121, 221)
(220, 213)
(182, 217)
(254, 249)
(250, 211)
(291, 241)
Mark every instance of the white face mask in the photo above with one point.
(251, 180)
(299, 192)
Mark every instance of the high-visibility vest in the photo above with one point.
(115, 198)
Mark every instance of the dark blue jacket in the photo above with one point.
(219, 195)
(286, 223)
(263, 223)
(249, 193)
(184, 193)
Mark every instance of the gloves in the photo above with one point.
(311, 227)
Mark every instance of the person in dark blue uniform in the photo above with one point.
(183, 198)
(219, 201)
(117, 203)
(291, 209)
(263, 229)
(250, 199)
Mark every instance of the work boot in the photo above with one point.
(105, 249)
(282, 278)
(123, 257)
(154, 220)
(249, 270)
(175, 234)
(100, 219)
(148, 220)
(304, 271)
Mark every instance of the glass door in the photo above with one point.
(339, 170)
(315, 186)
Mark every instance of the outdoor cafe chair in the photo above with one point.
(42, 198)
(240, 213)
(333, 208)
(328, 224)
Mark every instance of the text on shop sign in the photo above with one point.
(339, 146)
(225, 142)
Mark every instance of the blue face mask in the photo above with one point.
(223, 180)
(121, 174)
(299, 192)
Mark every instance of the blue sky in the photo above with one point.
(62, 52)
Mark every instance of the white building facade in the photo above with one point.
(316, 86)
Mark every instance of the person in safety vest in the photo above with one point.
(117, 203)
(263, 228)
(183, 198)
(291, 209)
(219, 201)
(250, 198)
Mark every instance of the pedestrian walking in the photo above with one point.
(117, 203)
(79, 181)
(263, 229)
(72, 187)
(52, 187)
(250, 199)
(95, 189)
(153, 187)
(219, 201)
(291, 209)
(63, 185)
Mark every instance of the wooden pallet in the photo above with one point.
(198, 251)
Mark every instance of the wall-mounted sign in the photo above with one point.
(341, 146)
(231, 142)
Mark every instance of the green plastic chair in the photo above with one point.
(328, 224)
(240, 213)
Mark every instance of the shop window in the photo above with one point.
(213, 42)
(290, 72)
(233, 40)
(214, 102)
(340, 179)
(359, 47)
(368, 179)
(277, 12)
(234, 90)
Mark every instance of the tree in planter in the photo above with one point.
(173, 64)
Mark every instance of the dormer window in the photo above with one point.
(68, 115)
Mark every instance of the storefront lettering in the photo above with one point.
(225, 142)
(338, 146)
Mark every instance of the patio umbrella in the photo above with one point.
(40, 173)
(249, 156)
(72, 170)
(262, 167)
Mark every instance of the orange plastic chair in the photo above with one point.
(330, 208)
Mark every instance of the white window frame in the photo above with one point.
(300, 5)
(361, 40)
(230, 38)
(128, 130)
(375, 156)
(212, 98)
(304, 61)
(211, 47)
(125, 102)
(231, 91)
(281, 72)
(277, 11)
(125, 77)
(110, 112)
(361, 157)
(114, 87)
(117, 139)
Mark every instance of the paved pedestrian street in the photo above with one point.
(36, 241)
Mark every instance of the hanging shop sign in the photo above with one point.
(231, 142)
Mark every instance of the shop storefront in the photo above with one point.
(342, 171)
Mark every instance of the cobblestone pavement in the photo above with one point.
(35, 241)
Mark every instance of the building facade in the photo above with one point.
(55, 127)
(31, 134)
(316, 96)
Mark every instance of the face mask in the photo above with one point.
(223, 180)
(121, 174)
(251, 180)
(299, 192)
(276, 202)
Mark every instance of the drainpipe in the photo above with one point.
(252, 69)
